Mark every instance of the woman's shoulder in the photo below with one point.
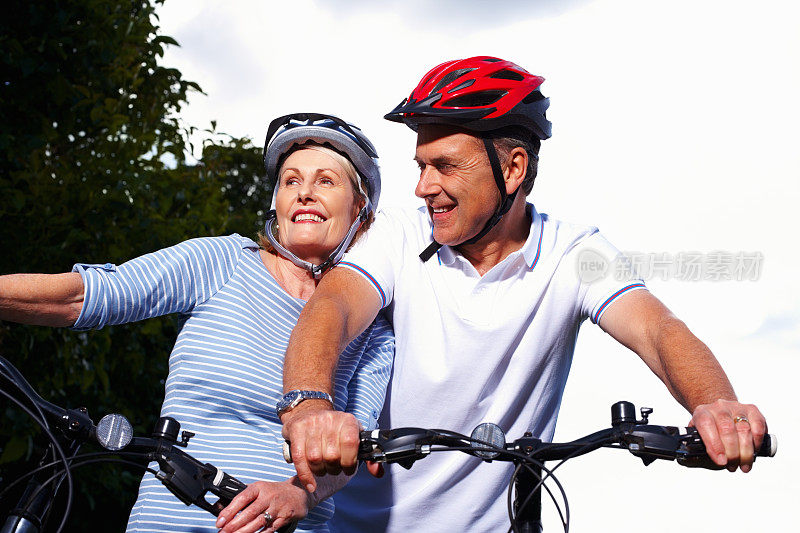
(233, 241)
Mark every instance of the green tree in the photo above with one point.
(93, 169)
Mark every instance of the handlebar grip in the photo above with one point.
(698, 458)
(287, 452)
(769, 446)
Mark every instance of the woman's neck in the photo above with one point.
(296, 281)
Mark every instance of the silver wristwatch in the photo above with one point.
(293, 398)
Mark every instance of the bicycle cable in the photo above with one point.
(57, 448)
(75, 458)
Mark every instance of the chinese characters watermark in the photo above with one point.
(718, 265)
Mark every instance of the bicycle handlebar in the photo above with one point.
(648, 442)
(189, 479)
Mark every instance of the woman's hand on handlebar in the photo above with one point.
(731, 432)
(285, 501)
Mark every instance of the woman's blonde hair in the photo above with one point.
(352, 176)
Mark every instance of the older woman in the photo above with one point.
(239, 302)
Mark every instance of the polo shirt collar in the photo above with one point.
(530, 251)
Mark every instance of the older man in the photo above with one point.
(486, 303)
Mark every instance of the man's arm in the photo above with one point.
(691, 373)
(322, 440)
(41, 299)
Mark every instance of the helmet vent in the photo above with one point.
(449, 78)
(507, 75)
(481, 99)
(462, 86)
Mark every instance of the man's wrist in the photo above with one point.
(307, 405)
(294, 398)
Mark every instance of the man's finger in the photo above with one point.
(746, 450)
(706, 425)
(304, 473)
(758, 425)
(726, 426)
(348, 442)
(329, 446)
(376, 469)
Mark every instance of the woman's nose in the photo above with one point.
(306, 191)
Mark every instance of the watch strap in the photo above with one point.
(294, 398)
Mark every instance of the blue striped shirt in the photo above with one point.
(226, 369)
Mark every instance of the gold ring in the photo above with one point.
(737, 419)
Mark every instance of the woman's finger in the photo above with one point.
(237, 504)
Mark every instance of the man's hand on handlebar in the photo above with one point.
(323, 441)
(731, 432)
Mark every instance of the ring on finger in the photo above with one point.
(268, 518)
(737, 419)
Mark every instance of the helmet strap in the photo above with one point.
(333, 258)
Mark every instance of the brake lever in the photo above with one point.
(190, 480)
(403, 446)
(653, 442)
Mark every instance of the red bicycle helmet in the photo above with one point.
(479, 93)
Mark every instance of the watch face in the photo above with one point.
(287, 400)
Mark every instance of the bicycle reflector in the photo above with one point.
(487, 433)
(114, 432)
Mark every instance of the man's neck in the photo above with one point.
(507, 236)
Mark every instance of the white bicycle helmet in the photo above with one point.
(299, 128)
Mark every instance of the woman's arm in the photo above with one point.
(41, 299)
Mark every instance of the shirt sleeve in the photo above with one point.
(171, 280)
(367, 388)
(378, 255)
(604, 274)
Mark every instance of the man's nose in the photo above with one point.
(428, 184)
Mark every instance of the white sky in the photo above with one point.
(675, 130)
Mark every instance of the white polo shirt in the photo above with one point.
(471, 349)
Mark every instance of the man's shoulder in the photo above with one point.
(563, 235)
(400, 228)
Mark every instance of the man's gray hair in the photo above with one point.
(506, 139)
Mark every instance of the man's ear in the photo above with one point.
(516, 168)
